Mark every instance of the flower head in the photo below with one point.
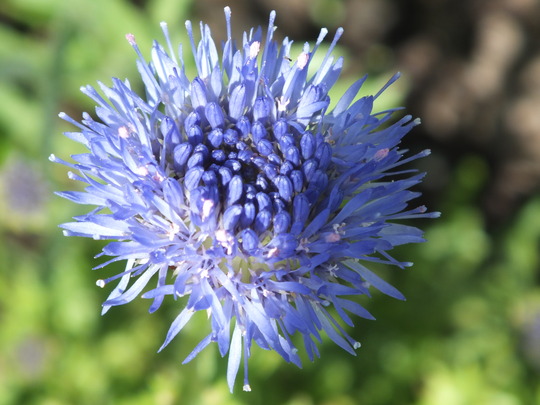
(241, 191)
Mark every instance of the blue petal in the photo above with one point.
(177, 325)
(237, 102)
(317, 223)
(202, 344)
(134, 290)
(235, 355)
(374, 280)
(262, 109)
(331, 332)
(300, 208)
(80, 197)
(96, 231)
(348, 97)
(198, 93)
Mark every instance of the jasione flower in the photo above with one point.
(240, 190)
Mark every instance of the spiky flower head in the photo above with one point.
(241, 191)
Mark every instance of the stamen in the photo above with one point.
(254, 49)
(228, 21)
(131, 39)
(123, 132)
(302, 60)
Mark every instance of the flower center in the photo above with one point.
(250, 182)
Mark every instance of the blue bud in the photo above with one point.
(262, 108)
(214, 115)
(231, 216)
(243, 125)
(196, 159)
(219, 155)
(193, 177)
(300, 208)
(250, 241)
(307, 145)
(270, 170)
(285, 187)
(259, 162)
(170, 131)
(215, 137)
(192, 120)
(201, 148)
(263, 201)
(286, 168)
(250, 191)
(233, 164)
(248, 215)
(181, 155)
(280, 128)
(297, 179)
(195, 135)
(235, 189)
(230, 136)
(225, 175)
(335, 198)
(261, 183)
(259, 131)
(285, 141)
(265, 147)
(309, 168)
(245, 155)
(293, 155)
(275, 159)
(262, 221)
(237, 102)
(241, 145)
(279, 204)
(319, 180)
(209, 178)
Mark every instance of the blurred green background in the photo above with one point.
(469, 332)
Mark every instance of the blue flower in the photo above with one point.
(240, 191)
